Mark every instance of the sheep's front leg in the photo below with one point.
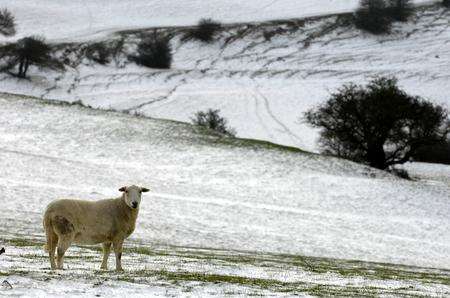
(106, 250)
(118, 251)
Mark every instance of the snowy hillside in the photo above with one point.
(225, 216)
(262, 85)
(209, 192)
(218, 211)
(82, 19)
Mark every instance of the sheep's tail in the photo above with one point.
(48, 231)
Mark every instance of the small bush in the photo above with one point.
(212, 120)
(99, 52)
(373, 16)
(105, 52)
(268, 35)
(402, 173)
(400, 10)
(154, 52)
(206, 31)
(446, 3)
(7, 23)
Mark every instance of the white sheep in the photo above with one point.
(85, 222)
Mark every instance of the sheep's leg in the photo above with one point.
(118, 251)
(106, 250)
(63, 245)
(52, 240)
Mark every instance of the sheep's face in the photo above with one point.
(132, 195)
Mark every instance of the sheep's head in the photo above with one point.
(132, 195)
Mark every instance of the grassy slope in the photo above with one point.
(184, 270)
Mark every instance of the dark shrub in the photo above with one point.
(28, 51)
(154, 52)
(400, 10)
(268, 35)
(380, 124)
(99, 52)
(104, 52)
(7, 23)
(402, 173)
(446, 3)
(437, 153)
(206, 31)
(372, 16)
(212, 120)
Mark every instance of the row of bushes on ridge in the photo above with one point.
(377, 16)
(155, 51)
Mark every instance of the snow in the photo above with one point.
(209, 194)
(82, 19)
(431, 173)
(220, 198)
(262, 87)
(150, 275)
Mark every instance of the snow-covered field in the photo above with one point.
(433, 173)
(225, 216)
(188, 272)
(262, 86)
(84, 19)
(203, 188)
(213, 194)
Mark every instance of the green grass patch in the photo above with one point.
(184, 278)
(344, 268)
(66, 256)
(14, 272)
(324, 268)
(24, 242)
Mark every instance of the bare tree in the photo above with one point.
(28, 51)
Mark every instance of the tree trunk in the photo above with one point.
(21, 74)
(377, 157)
(27, 63)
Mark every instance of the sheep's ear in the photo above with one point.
(123, 188)
(143, 189)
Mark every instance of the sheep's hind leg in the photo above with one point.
(65, 231)
(52, 240)
(106, 251)
(63, 244)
